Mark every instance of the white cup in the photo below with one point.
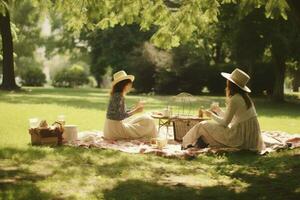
(61, 119)
(34, 122)
(70, 133)
(166, 112)
(161, 142)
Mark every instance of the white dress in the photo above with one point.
(119, 124)
(142, 127)
(238, 127)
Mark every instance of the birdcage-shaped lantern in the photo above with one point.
(184, 114)
(182, 105)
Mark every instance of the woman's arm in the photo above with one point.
(218, 111)
(229, 113)
(137, 109)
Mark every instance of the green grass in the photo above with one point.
(71, 173)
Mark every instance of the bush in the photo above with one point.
(166, 82)
(144, 72)
(70, 77)
(193, 78)
(32, 76)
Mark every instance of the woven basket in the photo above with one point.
(183, 125)
(47, 136)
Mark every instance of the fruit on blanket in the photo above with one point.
(43, 124)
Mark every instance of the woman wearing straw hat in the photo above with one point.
(118, 125)
(237, 127)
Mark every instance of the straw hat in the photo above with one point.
(239, 78)
(120, 76)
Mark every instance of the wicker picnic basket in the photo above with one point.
(182, 125)
(47, 136)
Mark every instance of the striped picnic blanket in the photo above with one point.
(274, 141)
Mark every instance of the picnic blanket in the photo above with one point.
(274, 141)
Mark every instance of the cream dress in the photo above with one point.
(119, 124)
(238, 127)
(141, 127)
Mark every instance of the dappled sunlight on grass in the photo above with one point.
(76, 173)
(87, 173)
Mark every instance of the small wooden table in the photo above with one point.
(180, 124)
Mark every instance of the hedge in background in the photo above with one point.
(70, 77)
(32, 76)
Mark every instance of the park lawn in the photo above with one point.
(71, 173)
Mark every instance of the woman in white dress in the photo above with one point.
(118, 125)
(237, 127)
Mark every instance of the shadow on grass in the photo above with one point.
(81, 102)
(139, 189)
(274, 185)
(77, 98)
(16, 183)
(90, 98)
(284, 185)
(263, 176)
(71, 92)
(31, 153)
(265, 184)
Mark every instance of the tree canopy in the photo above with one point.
(198, 33)
(175, 21)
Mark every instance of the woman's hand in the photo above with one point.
(139, 108)
(216, 110)
(207, 113)
(214, 107)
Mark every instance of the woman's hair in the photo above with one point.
(120, 86)
(232, 89)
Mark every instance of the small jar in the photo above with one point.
(200, 113)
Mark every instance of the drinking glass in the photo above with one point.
(33, 122)
(61, 119)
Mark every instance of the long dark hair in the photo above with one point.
(232, 89)
(120, 86)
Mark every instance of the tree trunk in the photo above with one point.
(295, 7)
(8, 81)
(218, 57)
(296, 80)
(98, 80)
(280, 68)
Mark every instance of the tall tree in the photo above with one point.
(8, 82)
(284, 39)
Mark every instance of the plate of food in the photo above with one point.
(157, 114)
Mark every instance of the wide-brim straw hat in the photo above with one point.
(120, 76)
(239, 78)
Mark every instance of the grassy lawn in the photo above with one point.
(68, 173)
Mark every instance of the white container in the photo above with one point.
(34, 122)
(161, 142)
(70, 133)
(166, 112)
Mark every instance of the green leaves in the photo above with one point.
(3, 7)
(276, 8)
(175, 21)
(273, 8)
